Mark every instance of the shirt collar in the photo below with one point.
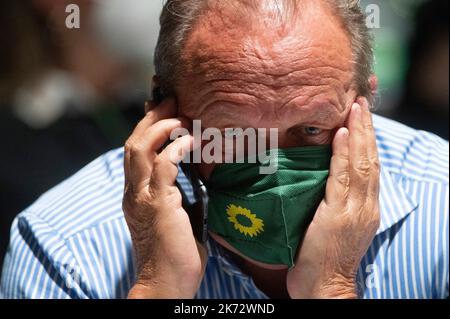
(215, 250)
(225, 264)
(395, 203)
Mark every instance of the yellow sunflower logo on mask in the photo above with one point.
(244, 221)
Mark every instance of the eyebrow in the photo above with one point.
(327, 112)
(325, 115)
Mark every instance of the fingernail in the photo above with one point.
(344, 131)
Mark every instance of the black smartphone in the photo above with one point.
(196, 208)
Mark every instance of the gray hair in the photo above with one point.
(179, 17)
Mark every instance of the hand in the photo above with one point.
(170, 262)
(347, 219)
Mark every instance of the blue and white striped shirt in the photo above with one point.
(73, 242)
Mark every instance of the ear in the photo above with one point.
(373, 83)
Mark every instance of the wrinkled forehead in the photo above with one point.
(268, 34)
(264, 54)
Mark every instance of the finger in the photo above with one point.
(158, 134)
(165, 166)
(338, 180)
(372, 149)
(359, 167)
(143, 151)
(369, 129)
(166, 109)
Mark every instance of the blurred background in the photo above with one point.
(69, 95)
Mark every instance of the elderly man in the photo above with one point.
(378, 230)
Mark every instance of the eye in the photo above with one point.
(311, 131)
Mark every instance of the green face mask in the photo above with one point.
(265, 216)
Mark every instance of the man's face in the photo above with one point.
(296, 78)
